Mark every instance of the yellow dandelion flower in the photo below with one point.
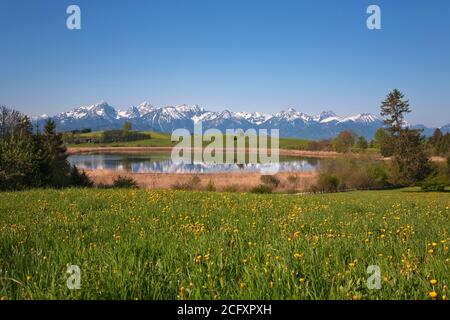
(298, 255)
(432, 294)
(433, 282)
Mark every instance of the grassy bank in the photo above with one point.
(135, 244)
(164, 140)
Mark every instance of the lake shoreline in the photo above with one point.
(131, 150)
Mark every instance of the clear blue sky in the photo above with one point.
(251, 55)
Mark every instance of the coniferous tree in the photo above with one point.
(394, 108)
(56, 153)
(362, 143)
(410, 163)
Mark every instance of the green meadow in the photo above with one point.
(141, 244)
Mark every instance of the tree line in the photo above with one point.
(125, 134)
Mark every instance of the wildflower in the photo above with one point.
(242, 285)
(432, 294)
(182, 291)
(430, 251)
(29, 278)
(298, 255)
(433, 282)
(302, 280)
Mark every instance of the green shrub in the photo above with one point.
(124, 182)
(231, 188)
(210, 187)
(261, 189)
(191, 184)
(270, 181)
(352, 172)
(434, 183)
(326, 183)
(79, 179)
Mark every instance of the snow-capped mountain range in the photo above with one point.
(292, 123)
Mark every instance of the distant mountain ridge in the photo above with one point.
(292, 123)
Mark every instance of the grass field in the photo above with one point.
(136, 244)
(164, 140)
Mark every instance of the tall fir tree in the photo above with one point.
(57, 156)
(393, 109)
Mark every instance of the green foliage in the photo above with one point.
(210, 186)
(435, 183)
(378, 138)
(231, 188)
(125, 182)
(122, 136)
(344, 141)
(262, 189)
(351, 172)
(320, 145)
(362, 143)
(410, 164)
(79, 179)
(55, 151)
(326, 183)
(32, 160)
(393, 109)
(439, 144)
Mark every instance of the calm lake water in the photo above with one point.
(162, 163)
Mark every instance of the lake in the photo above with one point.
(162, 163)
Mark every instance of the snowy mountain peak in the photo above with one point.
(362, 118)
(145, 107)
(291, 115)
(292, 123)
(190, 111)
(254, 118)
